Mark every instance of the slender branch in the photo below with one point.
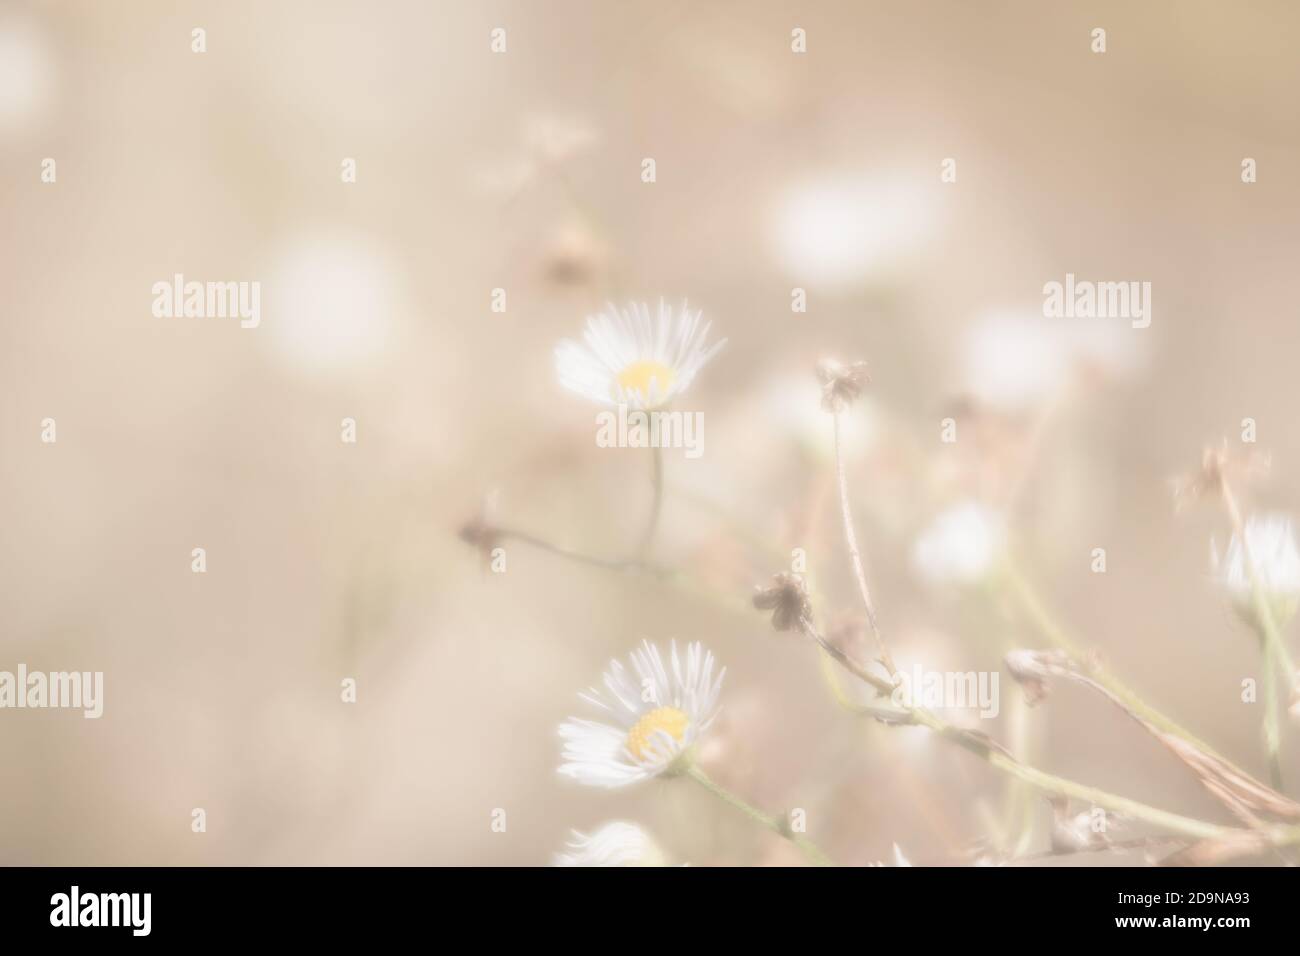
(853, 667)
(1050, 783)
(1043, 621)
(983, 747)
(855, 556)
(611, 564)
(776, 824)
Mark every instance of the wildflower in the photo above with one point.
(1270, 547)
(614, 844)
(961, 546)
(654, 718)
(631, 358)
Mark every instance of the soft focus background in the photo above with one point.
(522, 171)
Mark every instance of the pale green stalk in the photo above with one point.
(1272, 645)
(1038, 614)
(773, 823)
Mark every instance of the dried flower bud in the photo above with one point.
(787, 598)
(1219, 465)
(1031, 670)
(841, 384)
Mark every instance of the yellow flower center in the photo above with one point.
(668, 719)
(636, 377)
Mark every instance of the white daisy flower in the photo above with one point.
(654, 717)
(629, 357)
(614, 844)
(961, 545)
(1272, 545)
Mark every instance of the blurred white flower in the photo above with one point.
(631, 358)
(1015, 360)
(655, 717)
(961, 545)
(27, 71)
(1272, 549)
(332, 302)
(614, 844)
(838, 231)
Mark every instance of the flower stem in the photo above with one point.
(855, 556)
(1050, 783)
(1276, 656)
(1272, 723)
(1041, 618)
(611, 564)
(775, 824)
(1263, 609)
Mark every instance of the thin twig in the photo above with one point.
(853, 667)
(855, 556)
(1042, 620)
(996, 756)
(776, 824)
(611, 564)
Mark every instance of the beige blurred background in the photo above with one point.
(522, 171)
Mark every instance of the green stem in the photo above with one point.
(775, 824)
(1263, 609)
(1043, 621)
(1272, 716)
(1274, 648)
(1050, 783)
